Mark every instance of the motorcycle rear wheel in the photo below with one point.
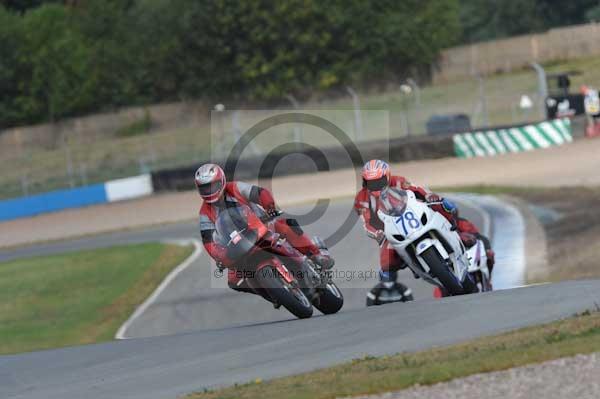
(290, 296)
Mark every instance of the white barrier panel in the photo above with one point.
(129, 187)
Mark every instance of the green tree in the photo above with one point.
(482, 20)
(593, 14)
(11, 70)
(108, 31)
(58, 62)
(563, 13)
(94, 55)
(24, 5)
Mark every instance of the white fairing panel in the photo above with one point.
(408, 232)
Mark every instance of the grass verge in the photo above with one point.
(369, 375)
(78, 298)
(571, 238)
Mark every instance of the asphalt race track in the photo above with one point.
(192, 302)
(236, 338)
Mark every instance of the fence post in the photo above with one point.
(219, 145)
(68, 161)
(404, 122)
(83, 173)
(24, 184)
(542, 87)
(417, 92)
(483, 101)
(297, 130)
(21, 155)
(357, 118)
(237, 131)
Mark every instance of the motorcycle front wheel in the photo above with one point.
(330, 299)
(288, 295)
(440, 270)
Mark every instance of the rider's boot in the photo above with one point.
(388, 290)
(325, 261)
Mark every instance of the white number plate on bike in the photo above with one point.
(408, 222)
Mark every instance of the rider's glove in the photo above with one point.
(272, 212)
(432, 197)
(379, 236)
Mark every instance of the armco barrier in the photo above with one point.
(303, 161)
(129, 187)
(487, 143)
(111, 191)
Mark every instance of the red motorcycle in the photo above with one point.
(272, 267)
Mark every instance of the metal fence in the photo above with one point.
(31, 163)
(517, 52)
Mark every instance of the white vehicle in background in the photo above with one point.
(429, 245)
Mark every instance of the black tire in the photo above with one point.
(290, 297)
(469, 285)
(375, 297)
(330, 300)
(404, 288)
(441, 271)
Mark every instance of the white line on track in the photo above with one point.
(508, 240)
(170, 277)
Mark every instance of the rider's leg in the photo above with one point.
(291, 230)
(466, 227)
(390, 263)
(489, 252)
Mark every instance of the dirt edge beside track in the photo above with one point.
(536, 257)
(575, 164)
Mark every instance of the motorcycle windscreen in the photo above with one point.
(392, 201)
(239, 230)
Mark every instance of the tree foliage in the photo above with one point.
(66, 58)
(485, 20)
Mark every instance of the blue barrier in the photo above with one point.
(52, 201)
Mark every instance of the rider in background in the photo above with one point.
(376, 175)
(217, 193)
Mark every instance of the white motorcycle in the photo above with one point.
(427, 243)
(478, 268)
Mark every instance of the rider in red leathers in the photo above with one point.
(377, 176)
(217, 192)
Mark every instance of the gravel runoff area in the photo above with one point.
(575, 164)
(572, 231)
(572, 377)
